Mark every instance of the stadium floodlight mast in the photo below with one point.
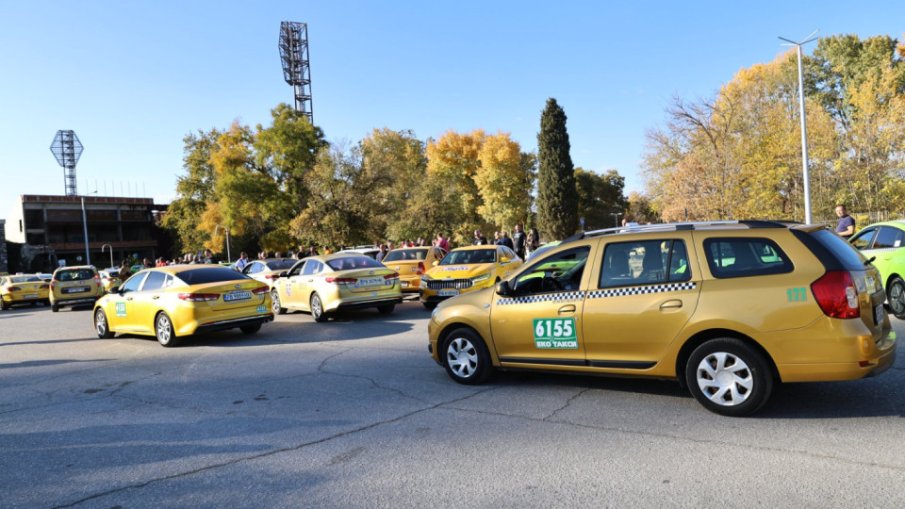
(67, 149)
(296, 67)
(804, 129)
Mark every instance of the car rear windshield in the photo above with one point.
(469, 256)
(25, 279)
(281, 264)
(406, 254)
(210, 275)
(74, 275)
(354, 262)
(847, 255)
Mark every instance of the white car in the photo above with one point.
(369, 251)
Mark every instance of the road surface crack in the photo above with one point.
(566, 404)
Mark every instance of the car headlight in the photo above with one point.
(425, 278)
(480, 279)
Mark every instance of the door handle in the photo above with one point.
(568, 308)
(128, 298)
(156, 297)
(671, 304)
(310, 280)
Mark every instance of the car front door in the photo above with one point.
(308, 281)
(540, 322)
(643, 293)
(146, 301)
(289, 286)
(125, 307)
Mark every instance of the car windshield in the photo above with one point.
(25, 279)
(278, 265)
(210, 275)
(469, 257)
(74, 275)
(406, 254)
(354, 262)
(541, 250)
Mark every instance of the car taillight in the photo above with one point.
(342, 280)
(14, 288)
(259, 290)
(44, 287)
(394, 275)
(271, 276)
(420, 267)
(836, 295)
(97, 280)
(52, 284)
(198, 297)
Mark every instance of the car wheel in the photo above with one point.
(250, 329)
(101, 326)
(430, 306)
(465, 357)
(54, 307)
(729, 377)
(33, 303)
(3, 306)
(317, 309)
(163, 329)
(386, 310)
(895, 293)
(275, 303)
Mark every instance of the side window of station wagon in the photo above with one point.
(644, 262)
(742, 257)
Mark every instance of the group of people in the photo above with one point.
(384, 247)
(520, 242)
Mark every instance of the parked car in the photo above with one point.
(75, 286)
(411, 263)
(884, 244)
(267, 271)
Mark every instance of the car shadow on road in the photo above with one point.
(581, 381)
(48, 362)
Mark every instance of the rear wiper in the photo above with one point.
(869, 260)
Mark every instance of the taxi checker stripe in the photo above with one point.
(638, 290)
(547, 297)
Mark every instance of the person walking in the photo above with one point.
(519, 241)
(845, 228)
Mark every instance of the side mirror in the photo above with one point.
(283, 274)
(504, 260)
(503, 288)
(436, 262)
(115, 289)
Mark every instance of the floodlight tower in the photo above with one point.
(296, 68)
(67, 149)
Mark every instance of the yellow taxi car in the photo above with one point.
(467, 269)
(729, 309)
(110, 279)
(324, 285)
(22, 289)
(411, 263)
(180, 300)
(75, 286)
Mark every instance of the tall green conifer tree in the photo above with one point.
(557, 200)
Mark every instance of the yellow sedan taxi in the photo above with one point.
(324, 285)
(177, 301)
(22, 289)
(75, 286)
(411, 263)
(467, 269)
(729, 309)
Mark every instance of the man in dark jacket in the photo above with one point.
(505, 240)
(518, 240)
(479, 238)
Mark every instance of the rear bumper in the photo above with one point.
(81, 301)
(870, 358)
(344, 306)
(233, 324)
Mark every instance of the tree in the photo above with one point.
(599, 196)
(193, 191)
(504, 181)
(453, 159)
(557, 204)
(640, 209)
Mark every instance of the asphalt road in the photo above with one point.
(354, 413)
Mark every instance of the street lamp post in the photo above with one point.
(85, 230)
(111, 253)
(229, 257)
(615, 217)
(804, 129)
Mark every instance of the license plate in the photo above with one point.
(31, 295)
(448, 292)
(234, 296)
(879, 314)
(371, 281)
(405, 284)
(75, 290)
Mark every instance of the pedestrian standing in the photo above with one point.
(479, 238)
(242, 262)
(505, 240)
(519, 241)
(442, 242)
(533, 241)
(382, 253)
(845, 228)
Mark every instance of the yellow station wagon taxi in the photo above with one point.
(75, 286)
(411, 263)
(22, 289)
(728, 308)
(467, 269)
(325, 285)
(180, 300)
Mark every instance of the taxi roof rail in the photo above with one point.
(669, 227)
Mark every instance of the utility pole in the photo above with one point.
(804, 128)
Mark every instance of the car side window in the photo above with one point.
(644, 262)
(154, 281)
(888, 237)
(311, 267)
(742, 257)
(864, 239)
(133, 283)
(297, 269)
(556, 273)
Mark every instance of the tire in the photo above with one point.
(465, 357)
(430, 306)
(275, 304)
(101, 326)
(387, 309)
(163, 330)
(33, 303)
(250, 329)
(317, 309)
(54, 307)
(729, 377)
(4, 306)
(895, 294)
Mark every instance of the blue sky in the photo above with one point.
(132, 78)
